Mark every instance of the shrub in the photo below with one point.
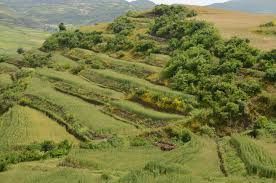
(251, 87)
(270, 74)
(268, 24)
(113, 142)
(119, 42)
(36, 58)
(3, 57)
(269, 56)
(3, 166)
(160, 168)
(122, 25)
(146, 47)
(47, 146)
(76, 69)
(20, 51)
(34, 152)
(167, 10)
(206, 130)
(69, 39)
(261, 122)
(138, 141)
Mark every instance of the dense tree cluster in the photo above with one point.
(182, 11)
(205, 65)
(70, 39)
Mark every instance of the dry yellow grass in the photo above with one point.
(233, 23)
(101, 27)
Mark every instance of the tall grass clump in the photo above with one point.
(257, 161)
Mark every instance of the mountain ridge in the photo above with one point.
(252, 6)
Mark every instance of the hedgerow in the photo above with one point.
(34, 152)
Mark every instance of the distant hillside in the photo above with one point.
(48, 13)
(254, 6)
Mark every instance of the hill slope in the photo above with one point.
(150, 98)
(49, 13)
(254, 6)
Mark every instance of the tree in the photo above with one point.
(62, 27)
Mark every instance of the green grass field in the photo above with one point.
(13, 37)
(88, 114)
(23, 125)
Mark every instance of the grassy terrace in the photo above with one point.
(103, 60)
(87, 114)
(77, 81)
(23, 125)
(125, 83)
(144, 112)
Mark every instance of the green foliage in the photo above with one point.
(138, 141)
(146, 47)
(179, 10)
(122, 25)
(34, 152)
(3, 57)
(270, 56)
(160, 168)
(261, 122)
(119, 42)
(268, 24)
(62, 27)
(270, 74)
(20, 51)
(113, 142)
(76, 69)
(36, 58)
(3, 166)
(69, 39)
(237, 49)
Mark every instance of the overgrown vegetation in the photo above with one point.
(34, 152)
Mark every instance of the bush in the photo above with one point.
(113, 142)
(36, 58)
(20, 51)
(206, 130)
(146, 47)
(122, 25)
(3, 57)
(270, 74)
(3, 166)
(138, 141)
(119, 42)
(76, 69)
(47, 146)
(34, 152)
(160, 168)
(167, 10)
(261, 122)
(68, 39)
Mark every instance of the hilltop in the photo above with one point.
(149, 97)
(253, 6)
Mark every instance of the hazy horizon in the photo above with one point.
(190, 2)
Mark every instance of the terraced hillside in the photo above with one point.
(154, 96)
